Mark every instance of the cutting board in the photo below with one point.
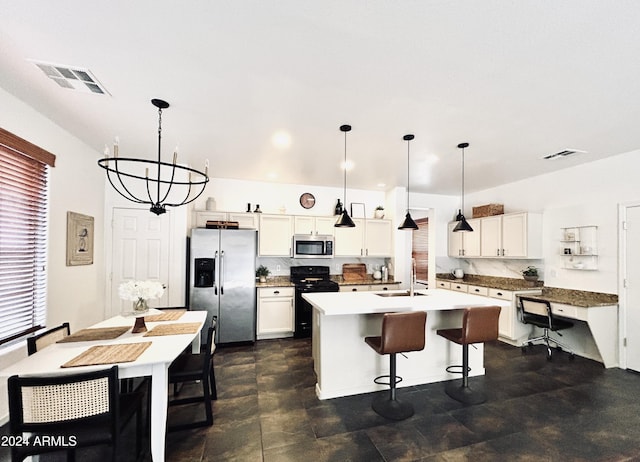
(354, 272)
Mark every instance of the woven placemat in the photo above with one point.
(108, 354)
(167, 315)
(174, 329)
(102, 333)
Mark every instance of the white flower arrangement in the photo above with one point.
(140, 290)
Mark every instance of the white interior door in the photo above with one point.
(631, 276)
(140, 252)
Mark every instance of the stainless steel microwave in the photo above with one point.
(312, 246)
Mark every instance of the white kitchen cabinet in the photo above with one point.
(378, 238)
(510, 329)
(349, 242)
(368, 288)
(443, 284)
(512, 235)
(245, 220)
(369, 238)
(459, 287)
(464, 243)
(275, 236)
(275, 312)
(314, 225)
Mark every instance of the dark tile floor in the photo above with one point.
(536, 411)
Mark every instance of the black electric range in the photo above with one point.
(308, 279)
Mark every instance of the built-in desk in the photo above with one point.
(595, 331)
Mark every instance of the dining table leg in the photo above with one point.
(159, 405)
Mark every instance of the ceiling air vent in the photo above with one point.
(72, 77)
(564, 153)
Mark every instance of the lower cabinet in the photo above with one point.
(510, 329)
(367, 288)
(275, 312)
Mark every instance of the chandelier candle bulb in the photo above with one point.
(146, 173)
(175, 157)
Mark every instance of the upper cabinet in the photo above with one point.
(512, 235)
(314, 225)
(369, 238)
(465, 243)
(245, 220)
(275, 236)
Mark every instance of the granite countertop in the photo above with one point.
(581, 298)
(283, 281)
(492, 282)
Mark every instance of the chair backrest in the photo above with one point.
(480, 324)
(40, 341)
(535, 311)
(48, 403)
(210, 346)
(402, 332)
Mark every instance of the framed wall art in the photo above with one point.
(357, 210)
(79, 239)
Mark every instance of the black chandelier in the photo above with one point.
(120, 173)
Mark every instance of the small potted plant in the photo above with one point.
(262, 272)
(379, 212)
(530, 273)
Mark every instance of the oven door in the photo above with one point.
(303, 315)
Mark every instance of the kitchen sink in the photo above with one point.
(397, 294)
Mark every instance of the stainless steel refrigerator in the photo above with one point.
(222, 280)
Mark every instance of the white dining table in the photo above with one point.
(153, 362)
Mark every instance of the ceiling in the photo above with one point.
(518, 80)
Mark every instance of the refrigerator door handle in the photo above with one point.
(222, 272)
(215, 279)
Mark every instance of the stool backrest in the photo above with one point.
(403, 332)
(480, 324)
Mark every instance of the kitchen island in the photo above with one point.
(345, 365)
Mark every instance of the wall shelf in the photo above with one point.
(579, 247)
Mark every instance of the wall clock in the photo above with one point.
(307, 200)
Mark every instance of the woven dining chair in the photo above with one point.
(44, 339)
(70, 412)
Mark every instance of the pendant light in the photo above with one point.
(462, 225)
(159, 179)
(408, 222)
(345, 221)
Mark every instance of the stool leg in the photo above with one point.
(463, 392)
(387, 405)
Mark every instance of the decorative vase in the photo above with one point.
(263, 278)
(531, 279)
(140, 306)
(378, 214)
(338, 210)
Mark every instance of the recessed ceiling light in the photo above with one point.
(72, 77)
(281, 139)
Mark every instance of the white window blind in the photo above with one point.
(23, 236)
(420, 248)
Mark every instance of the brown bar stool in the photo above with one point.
(479, 324)
(401, 332)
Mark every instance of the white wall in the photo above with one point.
(588, 194)
(76, 184)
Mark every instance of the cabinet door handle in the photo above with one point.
(497, 252)
(499, 293)
(276, 292)
(476, 290)
(354, 290)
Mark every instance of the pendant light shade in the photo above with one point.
(462, 225)
(345, 221)
(408, 222)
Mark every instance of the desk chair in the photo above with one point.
(538, 313)
(196, 367)
(44, 339)
(85, 406)
(479, 325)
(401, 333)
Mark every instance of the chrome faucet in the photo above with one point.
(413, 278)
